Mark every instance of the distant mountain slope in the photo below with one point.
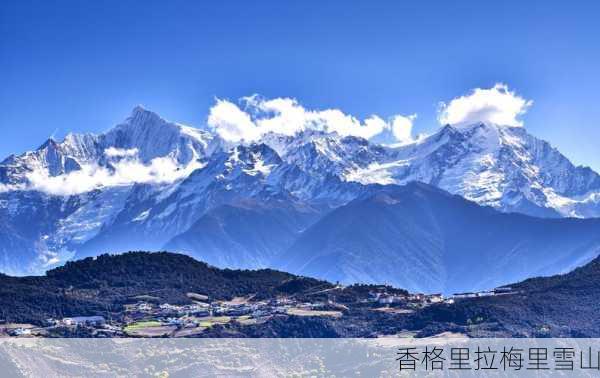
(424, 239)
(246, 235)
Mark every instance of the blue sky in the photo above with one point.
(81, 66)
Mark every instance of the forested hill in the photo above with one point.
(143, 271)
(103, 284)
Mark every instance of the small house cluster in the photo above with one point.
(505, 290)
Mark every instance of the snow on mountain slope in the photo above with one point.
(144, 139)
(62, 195)
(498, 166)
(154, 137)
(27, 218)
(148, 181)
(151, 217)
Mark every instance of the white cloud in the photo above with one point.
(125, 172)
(496, 105)
(402, 128)
(231, 123)
(286, 116)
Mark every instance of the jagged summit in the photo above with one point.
(144, 132)
(139, 108)
(141, 115)
(500, 166)
(49, 143)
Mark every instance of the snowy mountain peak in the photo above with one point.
(49, 143)
(143, 136)
(154, 137)
(139, 108)
(500, 166)
(142, 116)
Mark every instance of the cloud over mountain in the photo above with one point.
(256, 116)
(402, 127)
(126, 171)
(148, 149)
(497, 105)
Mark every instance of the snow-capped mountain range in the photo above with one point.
(148, 184)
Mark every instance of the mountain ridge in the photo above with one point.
(424, 239)
(148, 182)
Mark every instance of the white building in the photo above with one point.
(84, 321)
